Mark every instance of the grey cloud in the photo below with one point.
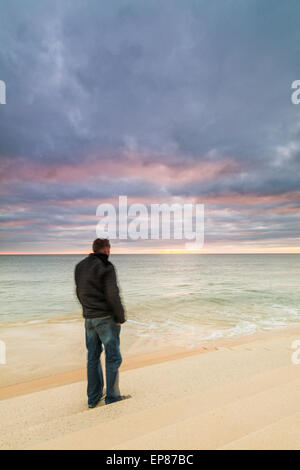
(82, 76)
(174, 81)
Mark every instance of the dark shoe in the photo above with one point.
(120, 398)
(93, 405)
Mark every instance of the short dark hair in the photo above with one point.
(100, 243)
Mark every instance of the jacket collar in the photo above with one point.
(101, 256)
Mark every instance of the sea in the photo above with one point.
(193, 297)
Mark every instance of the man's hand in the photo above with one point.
(118, 324)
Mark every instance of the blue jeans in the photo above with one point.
(99, 332)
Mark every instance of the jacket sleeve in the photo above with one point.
(76, 282)
(112, 295)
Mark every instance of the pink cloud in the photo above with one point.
(126, 168)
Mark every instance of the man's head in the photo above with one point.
(101, 245)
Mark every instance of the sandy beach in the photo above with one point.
(238, 394)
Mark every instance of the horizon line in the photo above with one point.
(164, 252)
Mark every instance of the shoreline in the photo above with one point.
(144, 359)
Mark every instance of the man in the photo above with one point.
(98, 293)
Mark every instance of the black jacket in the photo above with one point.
(97, 289)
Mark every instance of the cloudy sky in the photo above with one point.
(160, 100)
